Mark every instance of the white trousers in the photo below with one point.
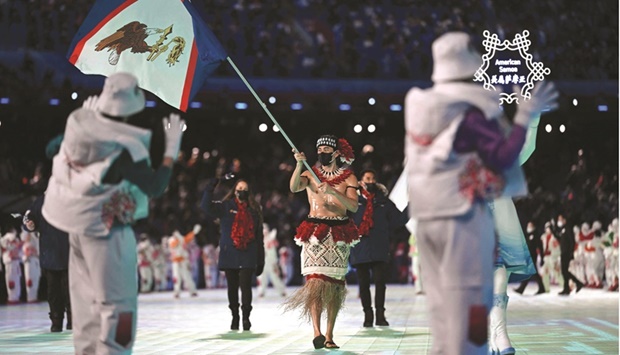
(550, 270)
(146, 278)
(611, 269)
(103, 284)
(159, 276)
(211, 276)
(32, 271)
(578, 267)
(271, 273)
(456, 261)
(13, 274)
(595, 265)
(182, 275)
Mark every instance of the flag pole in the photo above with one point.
(262, 104)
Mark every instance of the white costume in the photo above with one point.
(449, 187)
(579, 262)
(550, 269)
(160, 265)
(594, 258)
(145, 264)
(11, 251)
(179, 256)
(610, 243)
(32, 268)
(209, 260)
(286, 263)
(98, 215)
(271, 271)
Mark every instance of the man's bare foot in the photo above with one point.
(329, 344)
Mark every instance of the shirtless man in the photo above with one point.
(326, 236)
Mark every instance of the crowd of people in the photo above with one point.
(588, 185)
(354, 39)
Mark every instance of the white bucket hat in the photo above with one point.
(121, 96)
(454, 57)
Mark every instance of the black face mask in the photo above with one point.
(371, 187)
(242, 195)
(325, 158)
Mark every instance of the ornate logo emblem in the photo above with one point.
(508, 68)
(133, 36)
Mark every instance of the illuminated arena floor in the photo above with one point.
(584, 323)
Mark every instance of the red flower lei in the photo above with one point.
(242, 232)
(367, 221)
(336, 180)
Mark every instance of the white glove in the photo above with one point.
(544, 96)
(197, 229)
(91, 103)
(173, 129)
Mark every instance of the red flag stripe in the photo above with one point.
(78, 48)
(189, 77)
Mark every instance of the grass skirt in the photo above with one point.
(327, 296)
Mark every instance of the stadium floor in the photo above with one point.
(584, 323)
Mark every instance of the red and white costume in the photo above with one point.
(32, 268)
(145, 264)
(209, 260)
(179, 256)
(594, 258)
(550, 270)
(582, 237)
(11, 252)
(160, 266)
(271, 271)
(286, 263)
(610, 244)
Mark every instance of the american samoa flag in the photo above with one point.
(164, 43)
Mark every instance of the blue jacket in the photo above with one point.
(386, 218)
(53, 243)
(253, 257)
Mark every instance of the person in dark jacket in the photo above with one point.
(376, 218)
(566, 237)
(54, 259)
(534, 244)
(241, 244)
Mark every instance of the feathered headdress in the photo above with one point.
(346, 152)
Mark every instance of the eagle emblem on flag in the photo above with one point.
(133, 36)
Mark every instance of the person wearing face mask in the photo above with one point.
(567, 246)
(376, 218)
(241, 244)
(326, 236)
(101, 180)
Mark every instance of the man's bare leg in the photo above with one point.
(319, 339)
(316, 319)
(332, 312)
